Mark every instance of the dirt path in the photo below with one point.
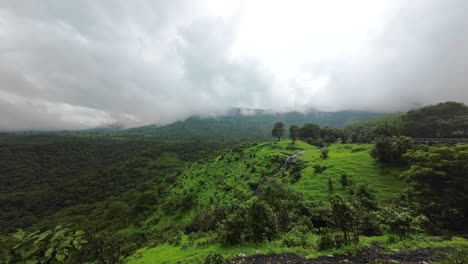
(374, 254)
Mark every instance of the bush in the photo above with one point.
(233, 228)
(344, 180)
(388, 151)
(296, 237)
(214, 258)
(324, 153)
(261, 221)
(325, 240)
(296, 176)
(319, 168)
(254, 223)
(459, 256)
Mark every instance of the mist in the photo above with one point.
(83, 64)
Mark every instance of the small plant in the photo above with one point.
(318, 168)
(296, 177)
(295, 238)
(330, 185)
(324, 153)
(345, 181)
(46, 247)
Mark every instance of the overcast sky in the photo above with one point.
(81, 64)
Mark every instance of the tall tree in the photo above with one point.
(278, 130)
(347, 218)
(294, 133)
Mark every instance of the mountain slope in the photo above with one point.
(255, 125)
(234, 179)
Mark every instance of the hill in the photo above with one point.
(247, 125)
(237, 177)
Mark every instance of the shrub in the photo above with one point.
(459, 256)
(233, 228)
(296, 238)
(296, 176)
(325, 240)
(324, 153)
(318, 168)
(261, 221)
(214, 258)
(344, 180)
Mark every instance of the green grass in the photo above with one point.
(354, 161)
(231, 177)
(169, 254)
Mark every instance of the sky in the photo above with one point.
(88, 63)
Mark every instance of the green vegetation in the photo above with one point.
(140, 199)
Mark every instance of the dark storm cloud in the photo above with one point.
(118, 61)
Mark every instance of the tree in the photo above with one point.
(278, 130)
(346, 217)
(309, 130)
(294, 133)
(382, 150)
(262, 222)
(387, 151)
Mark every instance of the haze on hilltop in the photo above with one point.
(81, 64)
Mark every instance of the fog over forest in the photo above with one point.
(82, 64)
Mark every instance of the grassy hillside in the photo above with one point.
(232, 179)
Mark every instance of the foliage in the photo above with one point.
(107, 248)
(438, 178)
(319, 168)
(51, 246)
(402, 221)
(294, 133)
(255, 222)
(326, 240)
(297, 237)
(459, 256)
(214, 258)
(386, 150)
(330, 186)
(309, 130)
(278, 130)
(324, 153)
(344, 180)
(346, 217)
(449, 119)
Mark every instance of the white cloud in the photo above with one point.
(85, 63)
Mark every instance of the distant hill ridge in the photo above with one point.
(248, 123)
